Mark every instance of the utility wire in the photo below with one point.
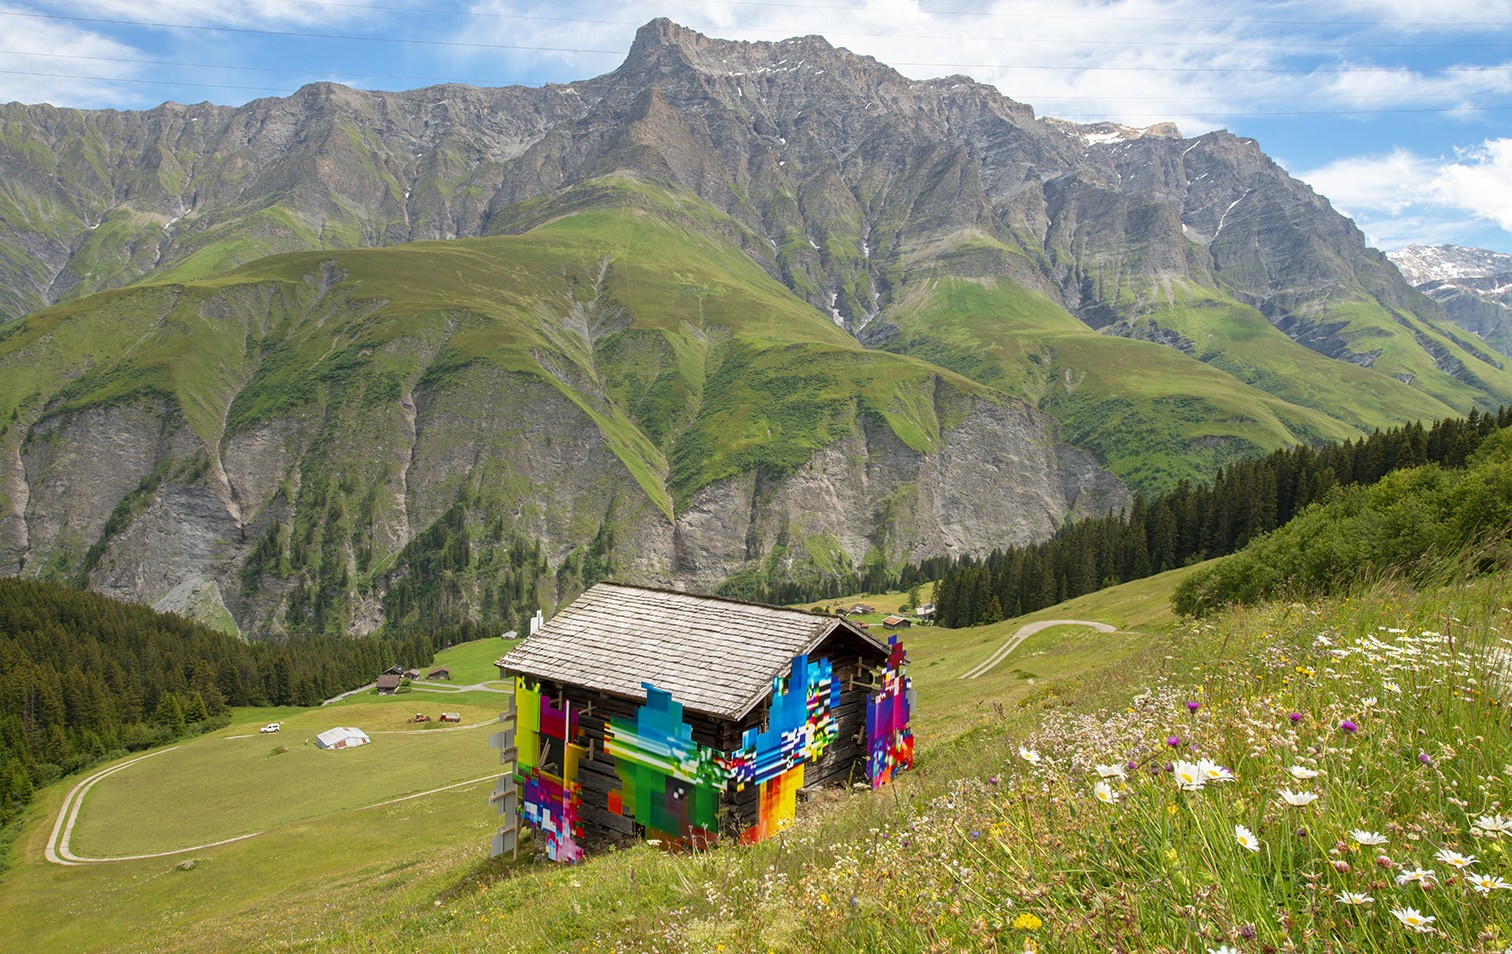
(1289, 44)
(1078, 18)
(1030, 98)
(870, 101)
(1015, 66)
(305, 36)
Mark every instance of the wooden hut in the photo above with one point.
(388, 683)
(713, 664)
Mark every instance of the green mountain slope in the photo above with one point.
(1155, 414)
(328, 440)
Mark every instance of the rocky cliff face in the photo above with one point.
(844, 174)
(114, 498)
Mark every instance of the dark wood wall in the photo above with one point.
(852, 661)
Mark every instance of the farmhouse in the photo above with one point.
(388, 683)
(650, 711)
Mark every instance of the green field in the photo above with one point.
(238, 784)
(472, 662)
(324, 861)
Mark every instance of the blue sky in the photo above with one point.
(1398, 111)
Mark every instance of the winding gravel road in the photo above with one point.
(1024, 632)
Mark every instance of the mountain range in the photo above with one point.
(731, 315)
(1473, 284)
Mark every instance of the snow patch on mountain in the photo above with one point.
(1420, 264)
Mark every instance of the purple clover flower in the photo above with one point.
(1295, 717)
(1174, 741)
(1349, 727)
(1193, 706)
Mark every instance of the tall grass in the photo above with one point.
(1387, 708)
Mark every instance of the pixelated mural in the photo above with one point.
(547, 758)
(889, 740)
(800, 726)
(669, 783)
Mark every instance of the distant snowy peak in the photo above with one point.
(1097, 134)
(1420, 264)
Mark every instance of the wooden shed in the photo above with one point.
(711, 685)
(388, 683)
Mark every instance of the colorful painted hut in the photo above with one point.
(645, 711)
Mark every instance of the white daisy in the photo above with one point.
(1494, 825)
(1413, 918)
(1301, 772)
(1353, 898)
(1367, 837)
(1029, 755)
(1111, 771)
(1484, 884)
(1104, 793)
(1454, 859)
(1189, 777)
(1213, 772)
(1246, 838)
(1297, 799)
(1422, 876)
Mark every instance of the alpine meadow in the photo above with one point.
(914, 523)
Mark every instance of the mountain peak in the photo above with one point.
(662, 40)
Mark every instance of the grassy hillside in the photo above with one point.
(324, 865)
(1155, 415)
(999, 835)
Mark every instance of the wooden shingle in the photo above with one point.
(715, 656)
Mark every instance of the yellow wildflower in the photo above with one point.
(1027, 922)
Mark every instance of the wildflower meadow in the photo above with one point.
(1321, 777)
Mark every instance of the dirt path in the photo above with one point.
(1024, 632)
(68, 813)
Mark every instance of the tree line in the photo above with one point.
(1424, 523)
(84, 678)
(1194, 523)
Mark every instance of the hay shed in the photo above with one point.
(708, 664)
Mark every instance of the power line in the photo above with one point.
(1230, 70)
(223, 66)
(1217, 110)
(145, 82)
(305, 36)
(366, 38)
(1079, 18)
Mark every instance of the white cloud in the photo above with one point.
(255, 13)
(40, 78)
(1202, 64)
(1401, 197)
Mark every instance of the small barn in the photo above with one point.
(388, 683)
(896, 622)
(440, 672)
(647, 711)
(342, 738)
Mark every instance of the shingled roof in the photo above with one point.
(714, 656)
